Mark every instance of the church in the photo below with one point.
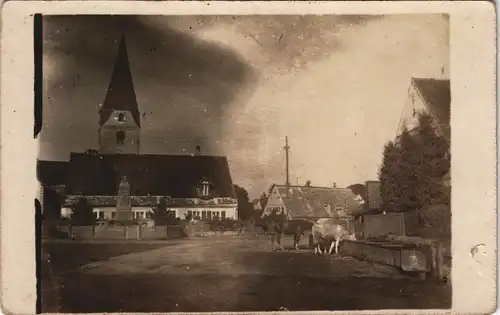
(123, 183)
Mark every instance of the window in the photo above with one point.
(120, 137)
(101, 215)
(204, 215)
(223, 215)
(205, 188)
(113, 214)
(121, 117)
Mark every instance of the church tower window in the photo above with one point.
(120, 137)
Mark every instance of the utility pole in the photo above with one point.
(287, 183)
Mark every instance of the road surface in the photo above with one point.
(229, 274)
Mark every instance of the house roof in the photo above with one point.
(121, 92)
(52, 173)
(437, 97)
(256, 203)
(177, 176)
(318, 202)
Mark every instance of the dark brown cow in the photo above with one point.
(295, 227)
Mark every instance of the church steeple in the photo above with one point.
(119, 118)
(121, 93)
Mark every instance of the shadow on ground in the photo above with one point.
(211, 293)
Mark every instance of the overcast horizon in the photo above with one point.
(236, 86)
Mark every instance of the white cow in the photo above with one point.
(328, 232)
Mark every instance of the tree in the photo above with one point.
(52, 202)
(263, 200)
(308, 183)
(83, 213)
(161, 216)
(413, 167)
(245, 207)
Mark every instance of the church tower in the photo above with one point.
(119, 118)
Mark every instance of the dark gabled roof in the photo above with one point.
(121, 92)
(318, 202)
(437, 97)
(52, 173)
(177, 176)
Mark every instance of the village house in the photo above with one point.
(433, 97)
(430, 96)
(257, 206)
(196, 184)
(295, 202)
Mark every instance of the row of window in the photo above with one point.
(196, 215)
(207, 215)
(276, 210)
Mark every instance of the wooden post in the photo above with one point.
(125, 231)
(139, 231)
(93, 232)
(166, 231)
(70, 231)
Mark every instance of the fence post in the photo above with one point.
(70, 231)
(139, 231)
(93, 232)
(125, 231)
(166, 231)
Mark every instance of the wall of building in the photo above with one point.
(414, 101)
(228, 212)
(275, 205)
(109, 213)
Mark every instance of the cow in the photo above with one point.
(296, 227)
(329, 232)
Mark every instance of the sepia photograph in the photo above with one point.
(233, 163)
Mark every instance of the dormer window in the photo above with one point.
(121, 117)
(205, 188)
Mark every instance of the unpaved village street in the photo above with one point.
(226, 274)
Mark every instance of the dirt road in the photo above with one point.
(235, 274)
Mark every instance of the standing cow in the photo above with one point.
(278, 228)
(329, 232)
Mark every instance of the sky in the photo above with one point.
(237, 85)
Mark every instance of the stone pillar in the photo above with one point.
(124, 204)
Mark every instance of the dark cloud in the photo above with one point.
(195, 80)
(184, 85)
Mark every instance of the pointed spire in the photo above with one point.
(121, 93)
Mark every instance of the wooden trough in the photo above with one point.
(424, 259)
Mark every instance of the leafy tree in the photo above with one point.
(52, 202)
(83, 213)
(161, 216)
(308, 183)
(263, 200)
(413, 167)
(245, 207)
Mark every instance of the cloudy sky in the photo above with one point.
(237, 85)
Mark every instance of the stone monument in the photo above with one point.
(124, 204)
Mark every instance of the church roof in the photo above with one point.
(177, 176)
(121, 92)
(318, 202)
